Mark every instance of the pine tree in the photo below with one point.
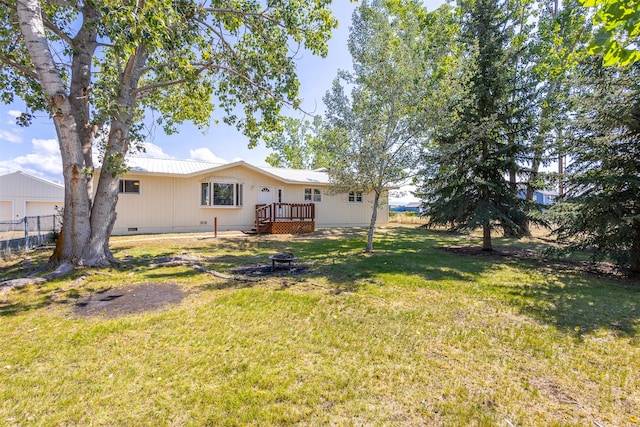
(602, 208)
(465, 185)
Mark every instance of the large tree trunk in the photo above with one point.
(76, 227)
(103, 215)
(84, 43)
(372, 224)
(86, 226)
(486, 238)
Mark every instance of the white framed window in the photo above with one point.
(313, 195)
(129, 186)
(221, 194)
(355, 197)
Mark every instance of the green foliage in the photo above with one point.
(373, 131)
(299, 146)
(191, 58)
(602, 209)
(618, 35)
(476, 145)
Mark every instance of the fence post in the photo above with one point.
(38, 226)
(26, 233)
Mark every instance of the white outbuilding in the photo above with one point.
(23, 195)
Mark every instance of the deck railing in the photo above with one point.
(276, 212)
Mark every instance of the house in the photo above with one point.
(545, 197)
(166, 195)
(408, 207)
(23, 195)
(542, 197)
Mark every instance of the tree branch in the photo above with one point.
(30, 73)
(57, 31)
(159, 85)
(63, 3)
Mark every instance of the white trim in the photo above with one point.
(355, 197)
(313, 194)
(124, 180)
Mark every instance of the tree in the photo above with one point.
(181, 58)
(602, 208)
(473, 149)
(372, 133)
(618, 35)
(557, 44)
(298, 146)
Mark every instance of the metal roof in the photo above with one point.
(192, 167)
(300, 175)
(168, 166)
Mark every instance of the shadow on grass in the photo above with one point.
(579, 304)
(560, 295)
(563, 294)
(24, 302)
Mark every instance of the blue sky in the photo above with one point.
(34, 150)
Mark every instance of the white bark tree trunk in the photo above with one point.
(76, 225)
(372, 224)
(87, 224)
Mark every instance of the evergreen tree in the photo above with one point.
(473, 151)
(602, 207)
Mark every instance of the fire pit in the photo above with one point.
(281, 258)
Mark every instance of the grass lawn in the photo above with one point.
(410, 335)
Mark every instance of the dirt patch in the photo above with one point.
(129, 299)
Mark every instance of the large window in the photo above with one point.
(129, 186)
(220, 194)
(312, 195)
(355, 196)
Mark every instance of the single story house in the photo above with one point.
(167, 195)
(23, 195)
(408, 207)
(543, 197)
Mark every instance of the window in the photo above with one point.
(220, 194)
(129, 186)
(312, 195)
(355, 196)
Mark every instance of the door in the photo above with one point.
(280, 199)
(265, 195)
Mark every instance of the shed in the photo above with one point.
(24, 195)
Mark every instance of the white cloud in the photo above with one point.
(44, 160)
(205, 155)
(152, 150)
(10, 136)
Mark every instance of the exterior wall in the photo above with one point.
(24, 195)
(172, 204)
(6, 210)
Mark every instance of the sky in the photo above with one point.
(34, 150)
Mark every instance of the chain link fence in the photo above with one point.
(28, 232)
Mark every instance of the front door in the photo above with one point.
(265, 195)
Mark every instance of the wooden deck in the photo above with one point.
(285, 218)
